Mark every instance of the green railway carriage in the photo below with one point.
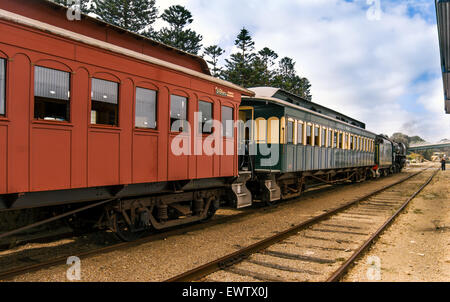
(289, 144)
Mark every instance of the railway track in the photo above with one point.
(320, 249)
(60, 260)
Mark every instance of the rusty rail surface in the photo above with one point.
(344, 268)
(238, 256)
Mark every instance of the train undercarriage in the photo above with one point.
(131, 218)
(272, 187)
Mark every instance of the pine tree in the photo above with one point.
(239, 69)
(133, 15)
(306, 89)
(214, 52)
(176, 35)
(84, 4)
(287, 79)
(264, 62)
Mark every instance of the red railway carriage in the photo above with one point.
(86, 111)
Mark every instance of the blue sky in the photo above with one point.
(381, 68)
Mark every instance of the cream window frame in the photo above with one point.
(330, 138)
(273, 130)
(303, 142)
(293, 130)
(283, 131)
(312, 133)
(323, 139)
(261, 130)
(315, 127)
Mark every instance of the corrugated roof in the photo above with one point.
(443, 23)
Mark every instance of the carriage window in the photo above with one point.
(324, 137)
(290, 132)
(2, 86)
(178, 113)
(261, 129)
(51, 94)
(105, 102)
(341, 141)
(316, 136)
(309, 135)
(335, 140)
(300, 134)
(206, 123)
(330, 139)
(227, 121)
(145, 108)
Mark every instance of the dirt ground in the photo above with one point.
(417, 245)
(160, 260)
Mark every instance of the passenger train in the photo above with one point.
(90, 114)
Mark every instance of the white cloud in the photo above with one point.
(384, 73)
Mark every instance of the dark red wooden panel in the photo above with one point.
(103, 158)
(50, 159)
(145, 158)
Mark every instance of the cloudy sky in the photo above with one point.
(379, 66)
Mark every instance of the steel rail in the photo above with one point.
(338, 274)
(238, 256)
(63, 259)
(154, 237)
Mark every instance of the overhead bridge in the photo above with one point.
(415, 148)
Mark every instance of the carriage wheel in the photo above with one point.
(123, 230)
(211, 211)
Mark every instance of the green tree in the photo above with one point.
(176, 35)
(133, 15)
(305, 89)
(214, 52)
(286, 78)
(263, 67)
(416, 139)
(84, 4)
(238, 68)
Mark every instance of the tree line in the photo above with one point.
(246, 67)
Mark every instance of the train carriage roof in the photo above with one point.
(275, 96)
(50, 17)
(299, 101)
